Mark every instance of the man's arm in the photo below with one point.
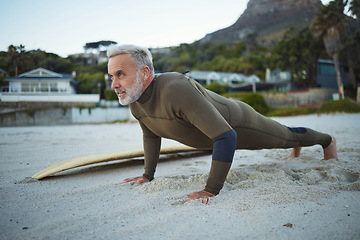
(222, 157)
(223, 153)
(151, 144)
(151, 155)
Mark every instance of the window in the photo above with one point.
(53, 87)
(35, 87)
(44, 87)
(25, 87)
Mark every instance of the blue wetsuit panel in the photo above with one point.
(297, 129)
(224, 147)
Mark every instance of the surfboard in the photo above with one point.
(105, 157)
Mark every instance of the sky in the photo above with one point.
(63, 27)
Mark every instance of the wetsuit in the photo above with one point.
(177, 107)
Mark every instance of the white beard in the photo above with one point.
(133, 93)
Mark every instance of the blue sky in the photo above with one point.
(64, 26)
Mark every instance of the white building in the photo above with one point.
(42, 85)
(42, 81)
(206, 77)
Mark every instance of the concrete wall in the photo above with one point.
(295, 99)
(63, 116)
(100, 115)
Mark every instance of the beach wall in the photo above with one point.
(64, 116)
(298, 98)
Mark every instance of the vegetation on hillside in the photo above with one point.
(222, 57)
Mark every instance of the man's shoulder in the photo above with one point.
(170, 77)
(175, 79)
(171, 81)
(177, 86)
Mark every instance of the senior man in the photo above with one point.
(173, 106)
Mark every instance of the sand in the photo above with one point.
(266, 196)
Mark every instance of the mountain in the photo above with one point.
(267, 19)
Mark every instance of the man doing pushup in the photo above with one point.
(171, 105)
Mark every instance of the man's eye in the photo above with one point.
(120, 74)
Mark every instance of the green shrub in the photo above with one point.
(235, 95)
(256, 101)
(344, 105)
(110, 95)
(280, 112)
(215, 86)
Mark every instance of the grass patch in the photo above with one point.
(343, 106)
(282, 112)
(255, 100)
(346, 105)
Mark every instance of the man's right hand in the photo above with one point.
(136, 180)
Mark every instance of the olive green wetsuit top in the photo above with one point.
(177, 107)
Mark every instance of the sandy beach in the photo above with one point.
(266, 196)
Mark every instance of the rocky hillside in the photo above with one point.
(268, 19)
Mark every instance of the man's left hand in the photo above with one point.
(200, 195)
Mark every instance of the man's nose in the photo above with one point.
(115, 84)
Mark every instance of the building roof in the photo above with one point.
(260, 86)
(41, 74)
(222, 76)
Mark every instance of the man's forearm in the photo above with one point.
(223, 154)
(151, 156)
(217, 176)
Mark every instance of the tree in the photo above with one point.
(298, 53)
(88, 81)
(98, 45)
(355, 9)
(15, 53)
(352, 50)
(352, 44)
(208, 56)
(329, 25)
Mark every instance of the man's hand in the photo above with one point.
(136, 180)
(202, 194)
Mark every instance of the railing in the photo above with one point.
(16, 97)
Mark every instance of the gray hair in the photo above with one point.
(142, 56)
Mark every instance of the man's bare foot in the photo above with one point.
(330, 152)
(295, 152)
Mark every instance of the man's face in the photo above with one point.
(125, 78)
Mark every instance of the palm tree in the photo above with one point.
(15, 53)
(329, 25)
(355, 9)
(352, 45)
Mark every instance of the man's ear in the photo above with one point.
(145, 71)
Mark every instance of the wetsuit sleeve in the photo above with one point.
(152, 144)
(223, 154)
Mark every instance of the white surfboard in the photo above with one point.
(106, 157)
